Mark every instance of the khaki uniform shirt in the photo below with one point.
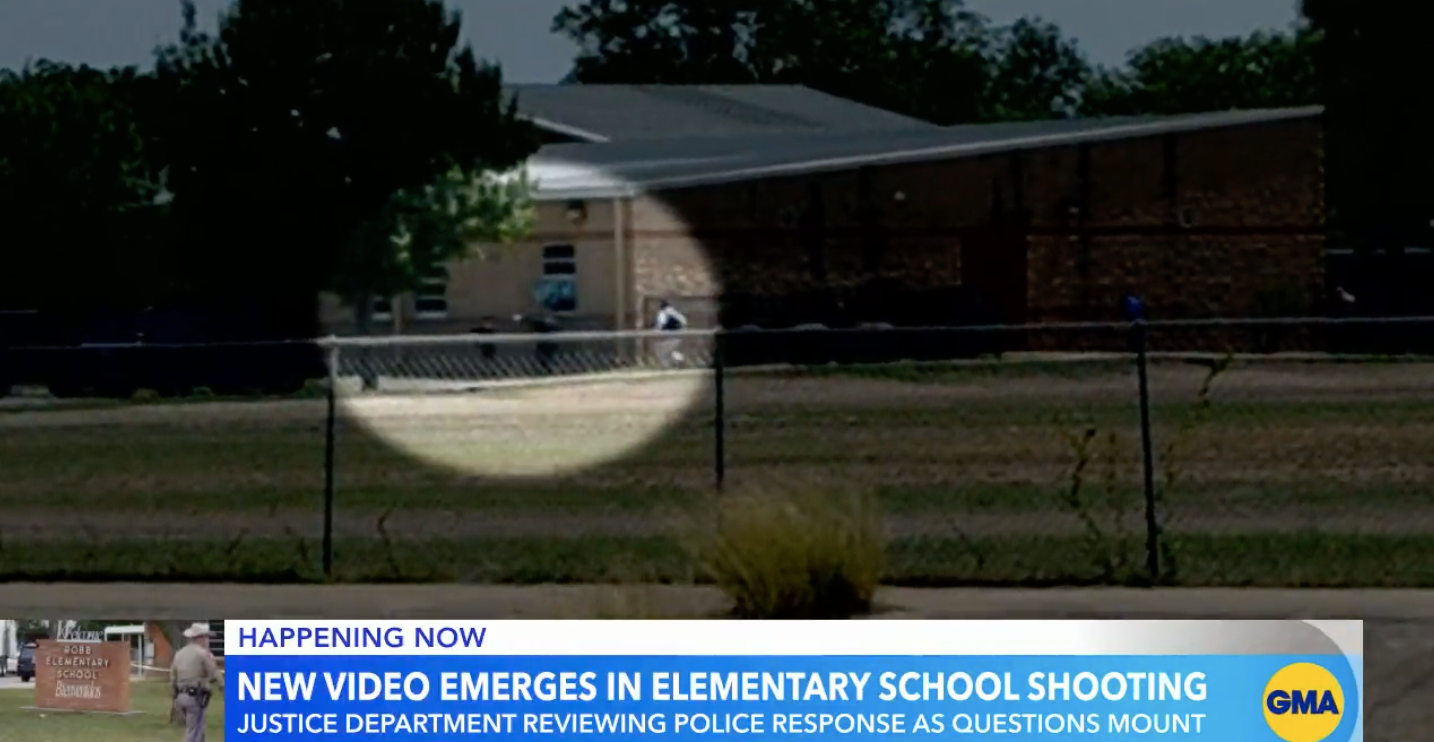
(194, 667)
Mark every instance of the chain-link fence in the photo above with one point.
(1278, 452)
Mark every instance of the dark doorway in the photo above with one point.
(993, 270)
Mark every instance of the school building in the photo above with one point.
(750, 198)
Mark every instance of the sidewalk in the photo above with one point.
(181, 601)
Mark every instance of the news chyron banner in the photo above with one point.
(1225, 681)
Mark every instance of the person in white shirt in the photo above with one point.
(669, 352)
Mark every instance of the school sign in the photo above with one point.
(79, 671)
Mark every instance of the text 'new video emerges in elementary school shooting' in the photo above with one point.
(516, 680)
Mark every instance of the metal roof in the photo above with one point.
(615, 169)
(598, 113)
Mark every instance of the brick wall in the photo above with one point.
(1209, 223)
(1203, 224)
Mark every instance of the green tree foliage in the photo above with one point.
(30, 629)
(931, 59)
(296, 132)
(1179, 75)
(418, 231)
(1033, 72)
(664, 42)
(79, 187)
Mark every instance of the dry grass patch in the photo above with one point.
(795, 554)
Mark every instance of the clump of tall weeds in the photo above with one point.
(1094, 491)
(809, 554)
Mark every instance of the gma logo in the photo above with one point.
(1281, 702)
(1303, 703)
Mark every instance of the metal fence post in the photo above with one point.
(329, 433)
(719, 412)
(1152, 526)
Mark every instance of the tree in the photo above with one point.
(923, 58)
(33, 628)
(930, 59)
(295, 131)
(1034, 72)
(665, 42)
(80, 189)
(417, 232)
(1378, 151)
(1178, 75)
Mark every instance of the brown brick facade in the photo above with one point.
(1220, 222)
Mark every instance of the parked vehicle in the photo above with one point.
(25, 664)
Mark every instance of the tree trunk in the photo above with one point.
(363, 325)
(173, 633)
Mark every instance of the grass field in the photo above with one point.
(151, 699)
(1269, 473)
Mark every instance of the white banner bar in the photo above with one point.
(811, 638)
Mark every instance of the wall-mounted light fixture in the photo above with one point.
(577, 212)
(899, 196)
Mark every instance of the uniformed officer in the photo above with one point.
(193, 675)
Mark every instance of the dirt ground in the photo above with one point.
(426, 524)
(1297, 474)
(659, 397)
(815, 429)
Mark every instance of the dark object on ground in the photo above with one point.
(544, 351)
(488, 350)
(25, 666)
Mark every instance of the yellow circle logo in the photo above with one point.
(1303, 703)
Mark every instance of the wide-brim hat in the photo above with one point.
(197, 630)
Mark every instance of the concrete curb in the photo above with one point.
(186, 601)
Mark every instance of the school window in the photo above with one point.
(382, 309)
(558, 291)
(430, 301)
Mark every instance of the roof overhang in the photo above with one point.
(562, 181)
(557, 179)
(565, 130)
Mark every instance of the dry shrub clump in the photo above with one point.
(800, 554)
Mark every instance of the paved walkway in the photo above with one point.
(180, 602)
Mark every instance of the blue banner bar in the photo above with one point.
(1246, 698)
